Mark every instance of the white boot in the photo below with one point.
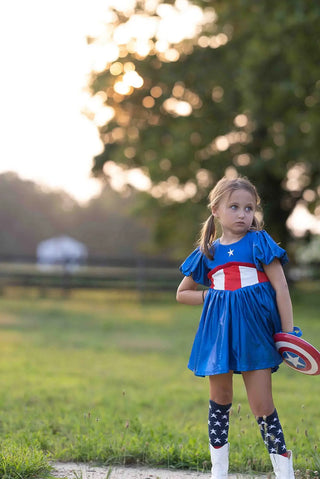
(282, 466)
(220, 462)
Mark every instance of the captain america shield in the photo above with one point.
(298, 354)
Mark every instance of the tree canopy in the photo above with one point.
(239, 95)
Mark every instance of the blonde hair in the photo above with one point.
(223, 187)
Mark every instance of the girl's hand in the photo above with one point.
(296, 332)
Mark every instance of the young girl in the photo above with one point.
(246, 304)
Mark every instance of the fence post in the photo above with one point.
(140, 276)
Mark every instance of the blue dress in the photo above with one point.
(240, 315)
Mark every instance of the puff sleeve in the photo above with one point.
(195, 265)
(265, 250)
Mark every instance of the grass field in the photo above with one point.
(102, 377)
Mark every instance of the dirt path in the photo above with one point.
(85, 471)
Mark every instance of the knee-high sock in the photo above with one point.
(272, 434)
(218, 423)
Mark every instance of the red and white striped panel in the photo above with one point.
(232, 276)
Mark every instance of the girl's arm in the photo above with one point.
(187, 292)
(278, 281)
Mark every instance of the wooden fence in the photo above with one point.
(141, 275)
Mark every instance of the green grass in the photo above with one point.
(102, 377)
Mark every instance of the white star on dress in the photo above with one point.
(230, 252)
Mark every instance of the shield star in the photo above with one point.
(294, 359)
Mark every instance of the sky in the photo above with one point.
(45, 65)
(45, 62)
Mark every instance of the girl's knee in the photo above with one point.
(221, 389)
(262, 408)
(222, 397)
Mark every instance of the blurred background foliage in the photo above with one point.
(30, 214)
(241, 96)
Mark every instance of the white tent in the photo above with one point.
(62, 250)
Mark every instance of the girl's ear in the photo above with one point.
(214, 211)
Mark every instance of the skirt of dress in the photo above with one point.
(236, 332)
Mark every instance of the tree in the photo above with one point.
(107, 227)
(239, 97)
(30, 214)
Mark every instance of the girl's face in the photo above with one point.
(235, 213)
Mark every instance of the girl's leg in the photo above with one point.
(259, 390)
(218, 423)
(221, 389)
(219, 408)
